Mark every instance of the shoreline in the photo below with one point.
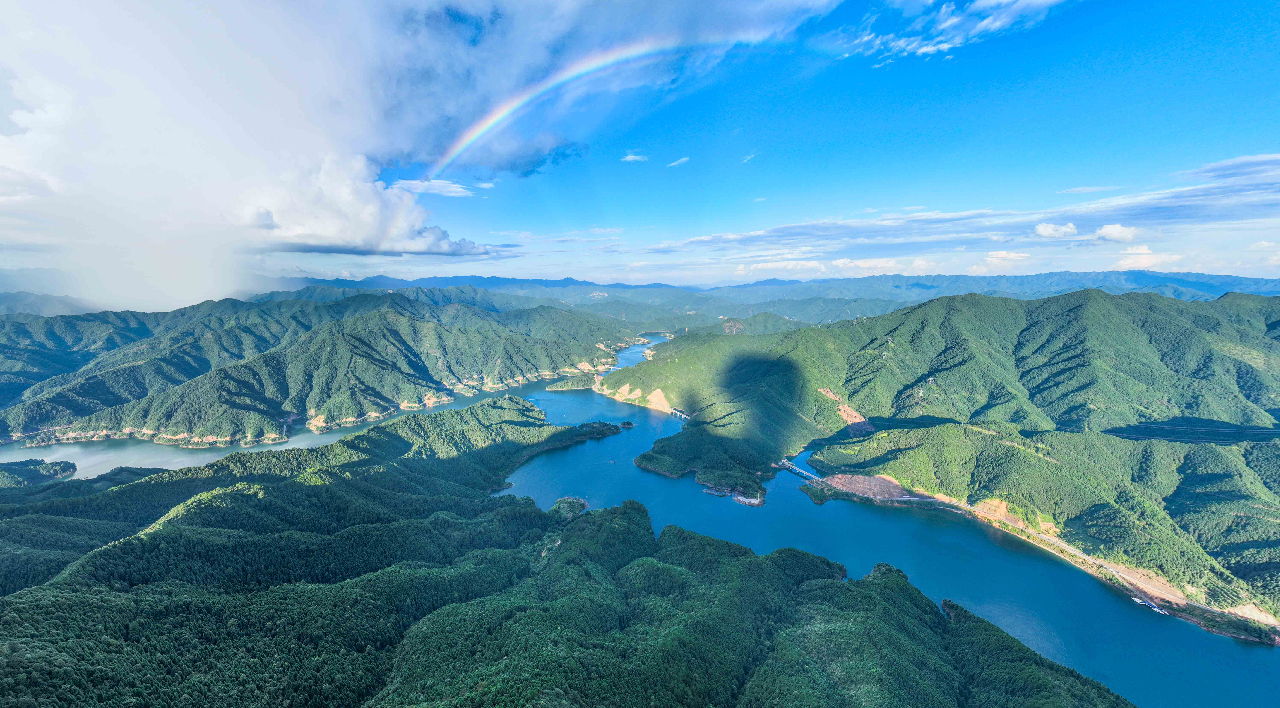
(276, 439)
(1210, 619)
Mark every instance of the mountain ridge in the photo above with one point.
(379, 570)
(980, 398)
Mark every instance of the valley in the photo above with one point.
(895, 447)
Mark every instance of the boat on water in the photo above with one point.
(1149, 604)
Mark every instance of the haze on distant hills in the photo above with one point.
(22, 303)
(909, 288)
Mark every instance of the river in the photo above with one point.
(1052, 606)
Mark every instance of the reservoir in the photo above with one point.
(1053, 607)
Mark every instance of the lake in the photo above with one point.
(1052, 606)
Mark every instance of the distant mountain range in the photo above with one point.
(871, 295)
(42, 305)
(900, 288)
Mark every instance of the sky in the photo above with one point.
(164, 153)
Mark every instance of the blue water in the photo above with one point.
(98, 457)
(1053, 607)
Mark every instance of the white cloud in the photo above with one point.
(1137, 249)
(341, 208)
(679, 162)
(599, 230)
(1224, 208)
(144, 140)
(1263, 246)
(1247, 168)
(1006, 256)
(1116, 232)
(814, 267)
(484, 185)
(868, 266)
(1146, 261)
(632, 157)
(1088, 190)
(841, 267)
(928, 27)
(1055, 231)
(758, 199)
(442, 187)
(1108, 232)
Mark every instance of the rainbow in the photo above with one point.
(583, 67)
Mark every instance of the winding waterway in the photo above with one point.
(1053, 607)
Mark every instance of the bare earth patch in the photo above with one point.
(1255, 613)
(1149, 582)
(880, 487)
(658, 401)
(857, 423)
(999, 509)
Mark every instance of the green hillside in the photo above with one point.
(820, 310)
(761, 323)
(26, 472)
(661, 308)
(230, 371)
(42, 305)
(1207, 517)
(1042, 378)
(466, 294)
(378, 570)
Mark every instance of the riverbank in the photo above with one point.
(1136, 583)
(1063, 614)
(318, 424)
(1248, 618)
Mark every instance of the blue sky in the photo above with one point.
(1094, 95)
(809, 139)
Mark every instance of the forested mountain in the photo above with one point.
(465, 294)
(378, 570)
(232, 371)
(1042, 404)
(821, 310)
(33, 471)
(654, 309)
(1183, 286)
(897, 288)
(42, 305)
(660, 307)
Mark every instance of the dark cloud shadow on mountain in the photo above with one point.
(745, 422)
(1195, 430)
(878, 424)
